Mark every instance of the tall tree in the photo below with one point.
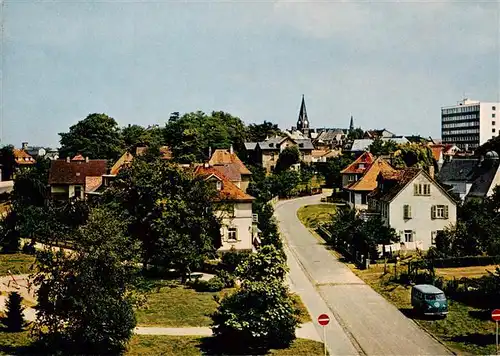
(83, 296)
(355, 134)
(259, 132)
(331, 169)
(97, 136)
(288, 157)
(8, 162)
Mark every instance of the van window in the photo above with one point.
(435, 297)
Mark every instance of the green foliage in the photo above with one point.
(285, 183)
(306, 172)
(97, 136)
(268, 264)
(356, 134)
(8, 162)
(288, 157)
(31, 185)
(332, 168)
(232, 259)
(14, 319)
(259, 132)
(413, 155)
(380, 147)
(83, 301)
(214, 284)
(227, 278)
(258, 316)
(169, 211)
(191, 135)
(10, 239)
(135, 135)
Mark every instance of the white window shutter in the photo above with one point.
(433, 212)
(446, 211)
(409, 211)
(414, 236)
(415, 189)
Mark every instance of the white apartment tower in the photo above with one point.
(470, 123)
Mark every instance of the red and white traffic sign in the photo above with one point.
(495, 315)
(323, 319)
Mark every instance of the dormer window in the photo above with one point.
(361, 165)
(219, 185)
(301, 145)
(271, 145)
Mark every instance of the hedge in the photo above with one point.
(467, 261)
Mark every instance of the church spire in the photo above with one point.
(303, 121)
(351, 124)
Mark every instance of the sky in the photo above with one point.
(390, 64)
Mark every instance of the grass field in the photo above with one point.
(175, 305)
(192, 345)
(15, 343)
(469, 272)
(312, 215)
(465, 329)
(17, 263)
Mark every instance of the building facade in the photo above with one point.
(470, 123)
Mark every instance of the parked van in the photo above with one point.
(429, 300)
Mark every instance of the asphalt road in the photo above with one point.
(362, 321)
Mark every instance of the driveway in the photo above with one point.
(362, 321)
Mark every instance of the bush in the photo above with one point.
(467, 261)
(227, 278)
(211, 266)
(29, 248)
(232, 259)
(215, 284)
(14, 321)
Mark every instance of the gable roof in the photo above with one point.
(484, 174)
(458, 170)
(22, 157)
(230, 171)
(225, 157)
(399, 180)
(369, 180)
(229, 191)
(125, 159)
(64, 172)
(274, 143)
(366, 158)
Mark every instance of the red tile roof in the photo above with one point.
(369, 180)
(92, 183)
(394, 182)
(229, 191)
(366, 159)
(63, 172)
(223, 157)
(78, 157)
(22, 158)
(230, 171)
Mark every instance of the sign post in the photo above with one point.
(495, 315)
(323, 320)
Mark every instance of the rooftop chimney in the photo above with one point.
(431, 171)
(231, 149)
(67, 159)
(206, 165)
(87, 159)
(210, 152)
(24, 145)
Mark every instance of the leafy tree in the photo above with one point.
(8, 162)
(306, 172)
(267, 264)
(191, 135)
(83, 296)
(355, 134)
(169, 211)
(413, 155)
(259, 132)
(257, 317)
(97, 136)
(288, 157)
(285, 183)
(380, 147)
(14, 319)
(31, 185)
(332, 168)
(132, 136)
(373, 233)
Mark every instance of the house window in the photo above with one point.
(406, 211)
(363, 198)
(351, 177)
(421, 189)
(493, 123)
(352, 197)
(232, 234)
(408, 235)
(78, 192)
(272, 156)
(439, 212)
(493, 130)
(272, 168)
(493, 108)
(219, 185)
(361, 165)
(493, 115)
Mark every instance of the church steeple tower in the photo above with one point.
(303, 121)
(351, 124)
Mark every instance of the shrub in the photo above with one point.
(215, 284)
(14, 321)
(232, 259)
(227, 278)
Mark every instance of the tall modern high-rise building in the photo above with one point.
(470, 123)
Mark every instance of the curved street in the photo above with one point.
(361, 321)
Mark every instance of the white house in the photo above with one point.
(239, 230)
(414, 204)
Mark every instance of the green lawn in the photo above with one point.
(17, 263)
(465, 329)
(174, 305)
(192, 345)
(312, 215)
(15, 343)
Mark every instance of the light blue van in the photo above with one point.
(429, 300)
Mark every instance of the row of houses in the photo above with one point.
(418, 202)
(80, 178)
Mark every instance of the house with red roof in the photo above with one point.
(353, 172)
(239, 230)
(229, 164)
(76, 177)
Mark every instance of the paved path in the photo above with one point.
(364, 322)
(306, 331)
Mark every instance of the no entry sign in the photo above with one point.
(495, 315)
(324, 319)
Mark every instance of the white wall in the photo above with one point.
(421, 221)
(242, 221)
(486, 118)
